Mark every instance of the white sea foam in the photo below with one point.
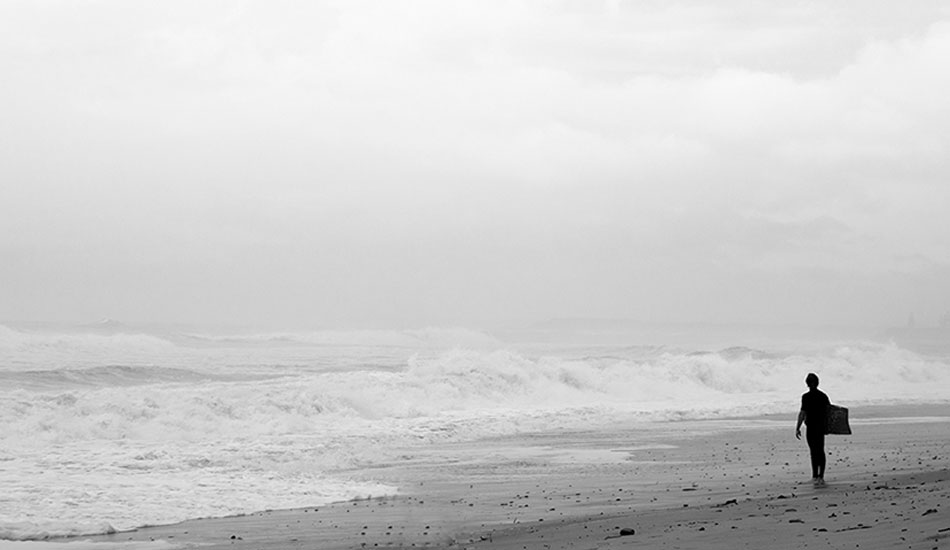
(113, 431)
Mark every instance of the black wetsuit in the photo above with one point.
(815, 404)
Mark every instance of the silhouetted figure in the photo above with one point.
(814, 414)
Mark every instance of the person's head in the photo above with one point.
(811, 380)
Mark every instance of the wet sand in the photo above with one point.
(690, 484)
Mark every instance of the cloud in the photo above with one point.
(575, 158)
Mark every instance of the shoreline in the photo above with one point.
(576, 490)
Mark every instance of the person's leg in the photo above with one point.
(814, 459)
(816, 447)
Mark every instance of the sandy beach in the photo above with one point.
(739, 483)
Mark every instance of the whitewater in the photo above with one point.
(108, 428)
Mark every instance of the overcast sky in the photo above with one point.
(482, 163)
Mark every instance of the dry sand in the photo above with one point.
(691, 484)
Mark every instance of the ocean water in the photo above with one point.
(108, 427)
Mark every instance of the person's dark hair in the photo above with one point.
(811, 380)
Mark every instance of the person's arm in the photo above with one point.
(798, 427)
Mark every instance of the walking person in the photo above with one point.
(814, 414)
